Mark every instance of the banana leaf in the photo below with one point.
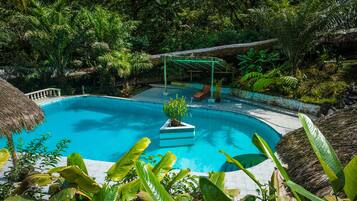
(151, 183)
(302, 191)
(76, 159)
(230, 159)
(65, 194)
(123, 166)
(263, 146)
(68, 194)
(325, 153)
(351, 179)
(217, 178)
(128, 191)
(75, 175)
(34, 179)
(107, 193)
(4, 157)
(211, 192)
(165, 165)
(180, 175)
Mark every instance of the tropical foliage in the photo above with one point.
(156, 181)
(35, 158)
(336, 173)
(257, 61)
(175, 110)
(55, 39)
(75, 183)
(44, 43)
(299, 27)
(273, 80)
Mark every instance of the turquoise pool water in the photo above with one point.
(102, 128)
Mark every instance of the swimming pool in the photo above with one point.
(104, 128)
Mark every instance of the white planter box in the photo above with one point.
(176, 136)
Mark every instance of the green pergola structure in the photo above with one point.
(212, 64)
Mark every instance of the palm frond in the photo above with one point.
(140, 62)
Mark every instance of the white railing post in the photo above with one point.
(44, 93)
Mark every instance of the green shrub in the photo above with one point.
(256, 61)
(175, 110)
(273, 81)
(35, 158)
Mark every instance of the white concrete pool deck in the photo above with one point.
(281, 120)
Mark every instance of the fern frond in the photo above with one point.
(263, 83)
(273, 73)
(289, 81)
(251, 75)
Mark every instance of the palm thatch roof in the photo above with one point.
(218, 51)
(340, 129)
(17, 112)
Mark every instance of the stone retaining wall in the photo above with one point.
(278, 101)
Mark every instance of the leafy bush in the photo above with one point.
(128, 179)
(272, 81)
(35, 158)
(175, 110)
(256, 61)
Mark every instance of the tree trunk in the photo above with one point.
(10, 143)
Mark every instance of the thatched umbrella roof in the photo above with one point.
(17, 112)
(340, 129)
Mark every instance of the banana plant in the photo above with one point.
(76, 174)
(130, 190)
(263, 146)
(340, 178)
(151, 183)
(212, 187)
(180, 175)
(230, 159)
(123, 166)
(76, 159)
(4, 157)
(212, 192)
(217, 178)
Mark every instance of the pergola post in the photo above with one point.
(165, 77)
(212, 78)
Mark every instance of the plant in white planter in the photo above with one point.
(175, 110)
(175, 132)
